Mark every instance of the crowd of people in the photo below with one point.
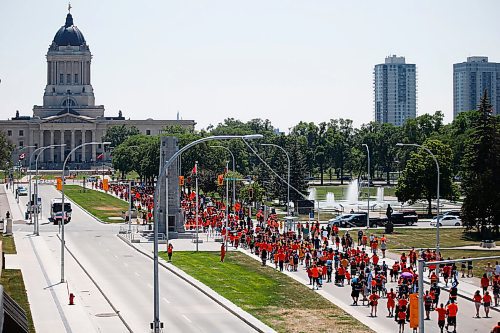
(327, 255)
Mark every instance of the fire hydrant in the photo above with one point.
(71, 299)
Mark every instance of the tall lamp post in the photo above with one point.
(62, 201)
(234, 169)
(36, 225)
(156, 326)
(421, 263)
(288, 177)
(438, 176)
(368, 213)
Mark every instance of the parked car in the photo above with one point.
(22, 191)
(447, 221)
(406, 217)
(452, 213)
(354, 220)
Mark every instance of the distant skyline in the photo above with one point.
(285, 61)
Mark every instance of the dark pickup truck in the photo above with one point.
(406, 217)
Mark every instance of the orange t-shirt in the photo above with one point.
(441, 313)
(452, 309)
(477, 298)
(487, 298)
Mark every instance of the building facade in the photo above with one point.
(471, 79)
(69, 114)
(395, 87)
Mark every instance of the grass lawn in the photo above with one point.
(426, 238)
(275, 299)
(340, 191)
(8, 245)
(101, 205)
(13, 284)
(479, 266)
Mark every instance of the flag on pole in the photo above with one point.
(100, 156)
(195, 169)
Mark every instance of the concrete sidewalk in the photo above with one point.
(38, 258)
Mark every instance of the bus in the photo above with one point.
(56, 211)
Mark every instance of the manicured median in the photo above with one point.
(13, 284)
(101, 205)
(272, 297)
(8, 245)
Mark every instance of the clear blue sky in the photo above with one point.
(282, 60)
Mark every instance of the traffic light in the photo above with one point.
(59, 184)
(250, 193)
(220, 180)
(105, 184)
(181, 180)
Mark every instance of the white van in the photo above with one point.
(56, 211)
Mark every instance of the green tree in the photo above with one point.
(419, 177)
(119, 133)
(5, 150)
(481, 165)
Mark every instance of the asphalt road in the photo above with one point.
(126, 277)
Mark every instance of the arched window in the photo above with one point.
(68, 101)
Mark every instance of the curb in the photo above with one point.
(86, 211)
(207, 291)
(98, 287)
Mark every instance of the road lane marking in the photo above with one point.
(189, 320)
(166, 300)
(137, 274)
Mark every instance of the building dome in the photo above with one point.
(69, 35)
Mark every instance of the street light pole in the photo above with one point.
(36, 225)
(227, 206)
(62, 201)
(288, 178)
(234, 169)
(368, 213)
(197, 204)
(156, 289)
(437, 194)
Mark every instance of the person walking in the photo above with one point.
(222, 252)
(451, 311)
(496, 329)
(391, 302)
(427, 304)
(388, 212)
(477, 301)
(373, 303)
(170, 250)
(441, 316)
(487, 304)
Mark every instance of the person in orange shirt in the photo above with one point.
(477, 301)
(391, 296)
(401, 320)
(315, 276)
(373, 298)
(496, 329)
(487, 303)
(441, 316)
(485, 282)
(451, 311)
(222, 252)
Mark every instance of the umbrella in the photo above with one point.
(406, 275)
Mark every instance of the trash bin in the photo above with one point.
(26, 215)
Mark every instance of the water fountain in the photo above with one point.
(352, 196)
(380, 194)
(312, 194)
(330, 199)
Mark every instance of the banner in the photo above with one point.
(105, 185)
(413, 310)
(59, 183)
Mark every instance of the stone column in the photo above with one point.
(72, 158)
(40, 144)
(62, 147)
(51, 150)
(83, 148)
(94, 147)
